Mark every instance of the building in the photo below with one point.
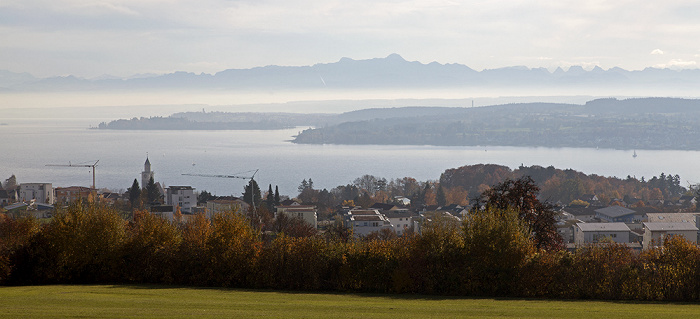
(71, 194)
(616, 213)
(39, 192)
(401, 200)
(182, 196)
(7, 196)
(654, 233)
(306, 212)
(366, 221)
(384, 207)
(147, 174)
(401, 220)
(215, 206)
(673, 218)
(591, 233)
(687, 200)
(584, 214)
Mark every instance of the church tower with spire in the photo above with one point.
(147, 174)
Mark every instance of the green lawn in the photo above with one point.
(173, 302)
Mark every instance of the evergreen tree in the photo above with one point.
(441, 198)
(11, 182)
(152, 191)
(204, 197)
(304, 185)
(277, 196)
(270, 201)
(134, 193)
(252, 193)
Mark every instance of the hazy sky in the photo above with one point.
(95, 37)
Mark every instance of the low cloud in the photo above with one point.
(657, 52)
(677, 64)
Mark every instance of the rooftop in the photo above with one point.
(367, 218)
(672, 217)
(603, 227)
(670, 226)
(615, 211)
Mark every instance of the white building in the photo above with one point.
(182, 196)
(366, 221)
(401, 220)
(305, 212)
(590, 233)
(39, 192)
(654, 233)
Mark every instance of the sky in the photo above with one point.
(127, 37)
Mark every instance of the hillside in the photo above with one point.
(648, 123)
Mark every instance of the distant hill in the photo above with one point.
(380, 73)
(648, 123)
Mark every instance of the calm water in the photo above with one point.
(28, 145)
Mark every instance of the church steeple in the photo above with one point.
(147, 174)
(147, 165)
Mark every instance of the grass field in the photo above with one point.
(174, 302)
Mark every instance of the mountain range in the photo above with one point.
(390, 72)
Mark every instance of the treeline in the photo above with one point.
(557, 185)
(463, 185)
(491, 253)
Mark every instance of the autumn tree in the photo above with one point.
(407, 186)
(346, 192)
(293, 226)
(367, 183)
(521, 195)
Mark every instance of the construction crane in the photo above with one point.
(83, 164)
(251, 177)
(227, 176)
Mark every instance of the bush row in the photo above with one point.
(490, 254)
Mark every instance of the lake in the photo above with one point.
(29, 144)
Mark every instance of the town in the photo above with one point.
(376, 208)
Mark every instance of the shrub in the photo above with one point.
(151, 249)
(14, 234)
(233, 248)
(497, 245)
(82, 244)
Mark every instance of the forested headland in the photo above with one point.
(645, 123)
